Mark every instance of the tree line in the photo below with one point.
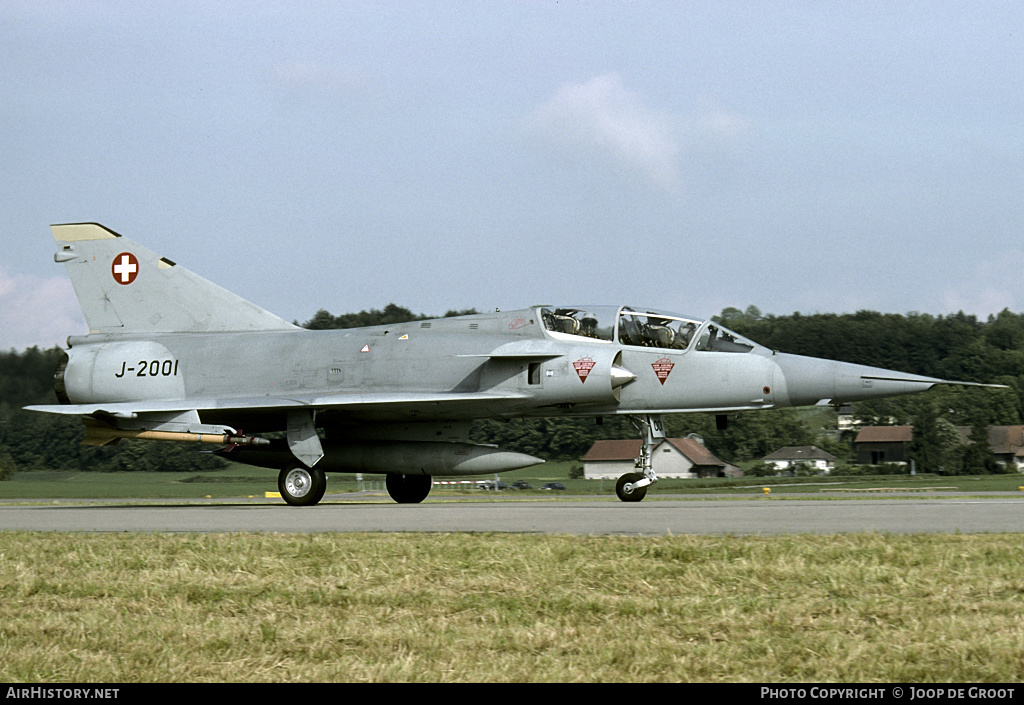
(33, 441)
(959, 347)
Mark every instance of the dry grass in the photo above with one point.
(472, 607)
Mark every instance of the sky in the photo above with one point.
(819, 157)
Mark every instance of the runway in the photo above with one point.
(966, 514)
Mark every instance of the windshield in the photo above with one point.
(597, 322)
(642, 327)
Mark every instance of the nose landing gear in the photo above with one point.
(632, 487)
(627, 488)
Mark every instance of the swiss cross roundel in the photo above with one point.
(125, 268)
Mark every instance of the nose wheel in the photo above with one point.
(627, 489)
(632, 487)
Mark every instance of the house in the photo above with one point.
(845, 420)
(883, 444)
(810, 457)
(891, 444)
(1006, 442)
(672, 458)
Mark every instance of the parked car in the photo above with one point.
(492, 485)
(553, 486)
(521, 485)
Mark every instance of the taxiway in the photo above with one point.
(988, 513)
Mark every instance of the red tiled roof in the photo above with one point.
(630, 449)
(614, 450)
(885, 434)
(800, 453)
(698, 454)
(1006, 439)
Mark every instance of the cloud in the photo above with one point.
(603, 116)
(714, 124)
(37, 311)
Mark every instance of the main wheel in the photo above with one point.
(301, 486)
(633, 494)
(408, 489)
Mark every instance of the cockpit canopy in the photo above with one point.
(642, 327)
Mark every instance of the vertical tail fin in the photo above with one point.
(126, 288)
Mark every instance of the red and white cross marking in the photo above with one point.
(125, 268)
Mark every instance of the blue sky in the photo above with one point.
(797, 156)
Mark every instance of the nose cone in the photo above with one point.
(811, 380)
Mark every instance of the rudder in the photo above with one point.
(123, 287)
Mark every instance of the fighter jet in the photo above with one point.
(172, 356)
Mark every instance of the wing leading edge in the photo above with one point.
(407, 402)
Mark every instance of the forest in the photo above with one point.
(956, 347)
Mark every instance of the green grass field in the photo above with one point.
(248, 481)
(254, 607)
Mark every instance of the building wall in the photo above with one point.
(878, 453)
(819, 464)
(1015, 463)
(667, 463)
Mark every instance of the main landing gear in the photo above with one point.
(301, 486)
(632, 487)
(408, 489)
